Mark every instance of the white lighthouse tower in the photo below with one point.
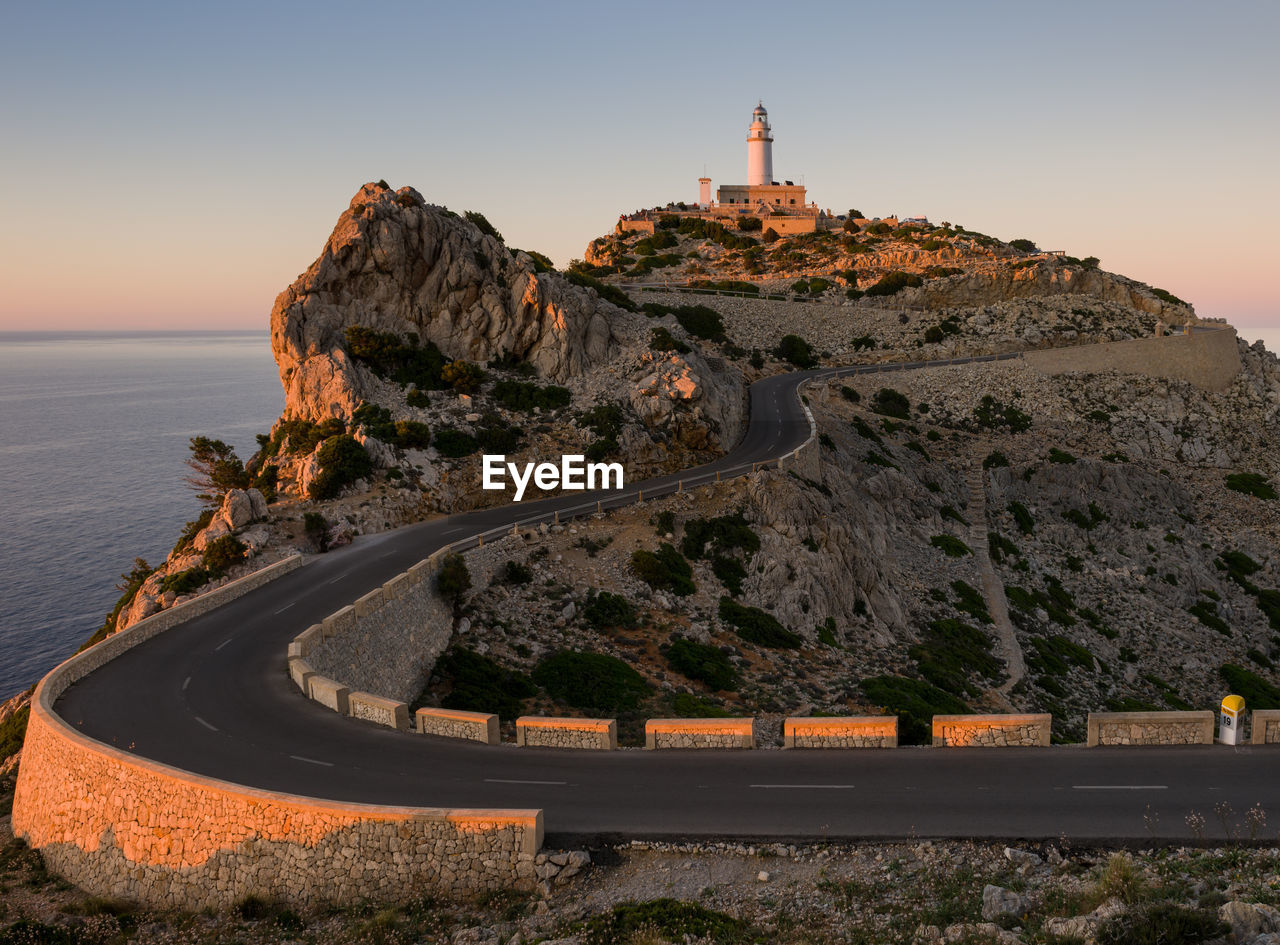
(759, 149)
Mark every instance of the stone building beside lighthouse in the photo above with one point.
(780, 205)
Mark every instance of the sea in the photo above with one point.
(94, 434)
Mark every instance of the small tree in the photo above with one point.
(454, 580)
(317, 527)
(217, 470)
(770, 236)
(485, 227)
(795, 349)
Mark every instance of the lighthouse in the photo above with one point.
(759, 149)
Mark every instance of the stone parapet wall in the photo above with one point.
(699, 733)
(1266, 727)
(1210, 359)
(548, 732)
(455, 723)
(1151, 728)
(387, 641)
(124, 827)
(991, 731)
(854, 731)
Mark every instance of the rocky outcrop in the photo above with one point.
(397, 264)
(990, 285)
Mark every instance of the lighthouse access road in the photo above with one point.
(212, 697)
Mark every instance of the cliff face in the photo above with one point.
(396, 264)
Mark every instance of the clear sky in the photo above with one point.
(177, 164)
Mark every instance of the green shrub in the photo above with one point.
(666, 569)
(1257, 692)
(485, 227)
(950, 546)
(1022, 518)
(607, 292)
(730, 572)
(995, 459)
(412, 435)
(861, 342)
(604, 420)
(891, 403)
(605, 610)
(663, 340)
(950, 651)
(894, 282)
(1254, 484)
(800, 287)
(991, 414)
(795, 350)
(184, 582)
(1165, 295)
(1162, 923)
(817, 285)
(1001, 547)
(702, 662)
(317, 529)
(827, 632)
(463, 376)
(12, 731)
(405, 362)
(525, 396)
(343, 460)
(727, 285)
(591, 681)
(1025, 246)
(222, 554)
(1058, 456)
(455, 444)
(482, 685)
(756, 626)
(1207, 614)
(915, 702)
(669, 920)
(453, 579)
(724, 534)
(513, 572)
(700, 321)
(1055, 655)
(969, 600)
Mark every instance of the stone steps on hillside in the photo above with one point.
(1007, 645)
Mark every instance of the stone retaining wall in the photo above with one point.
(548, 732)
(125, 827)
(1266, 727)
(455, 723)
(387, 641)
(699, 733)
(991, 731)
(854, 731)
(1210, 359)
(1151, 728)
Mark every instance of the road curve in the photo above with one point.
(212, 697)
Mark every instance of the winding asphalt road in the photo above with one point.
(212, 696)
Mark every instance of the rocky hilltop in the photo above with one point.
(396, 264)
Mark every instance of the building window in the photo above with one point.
(793, 201)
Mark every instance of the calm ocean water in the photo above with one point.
(93, 442)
